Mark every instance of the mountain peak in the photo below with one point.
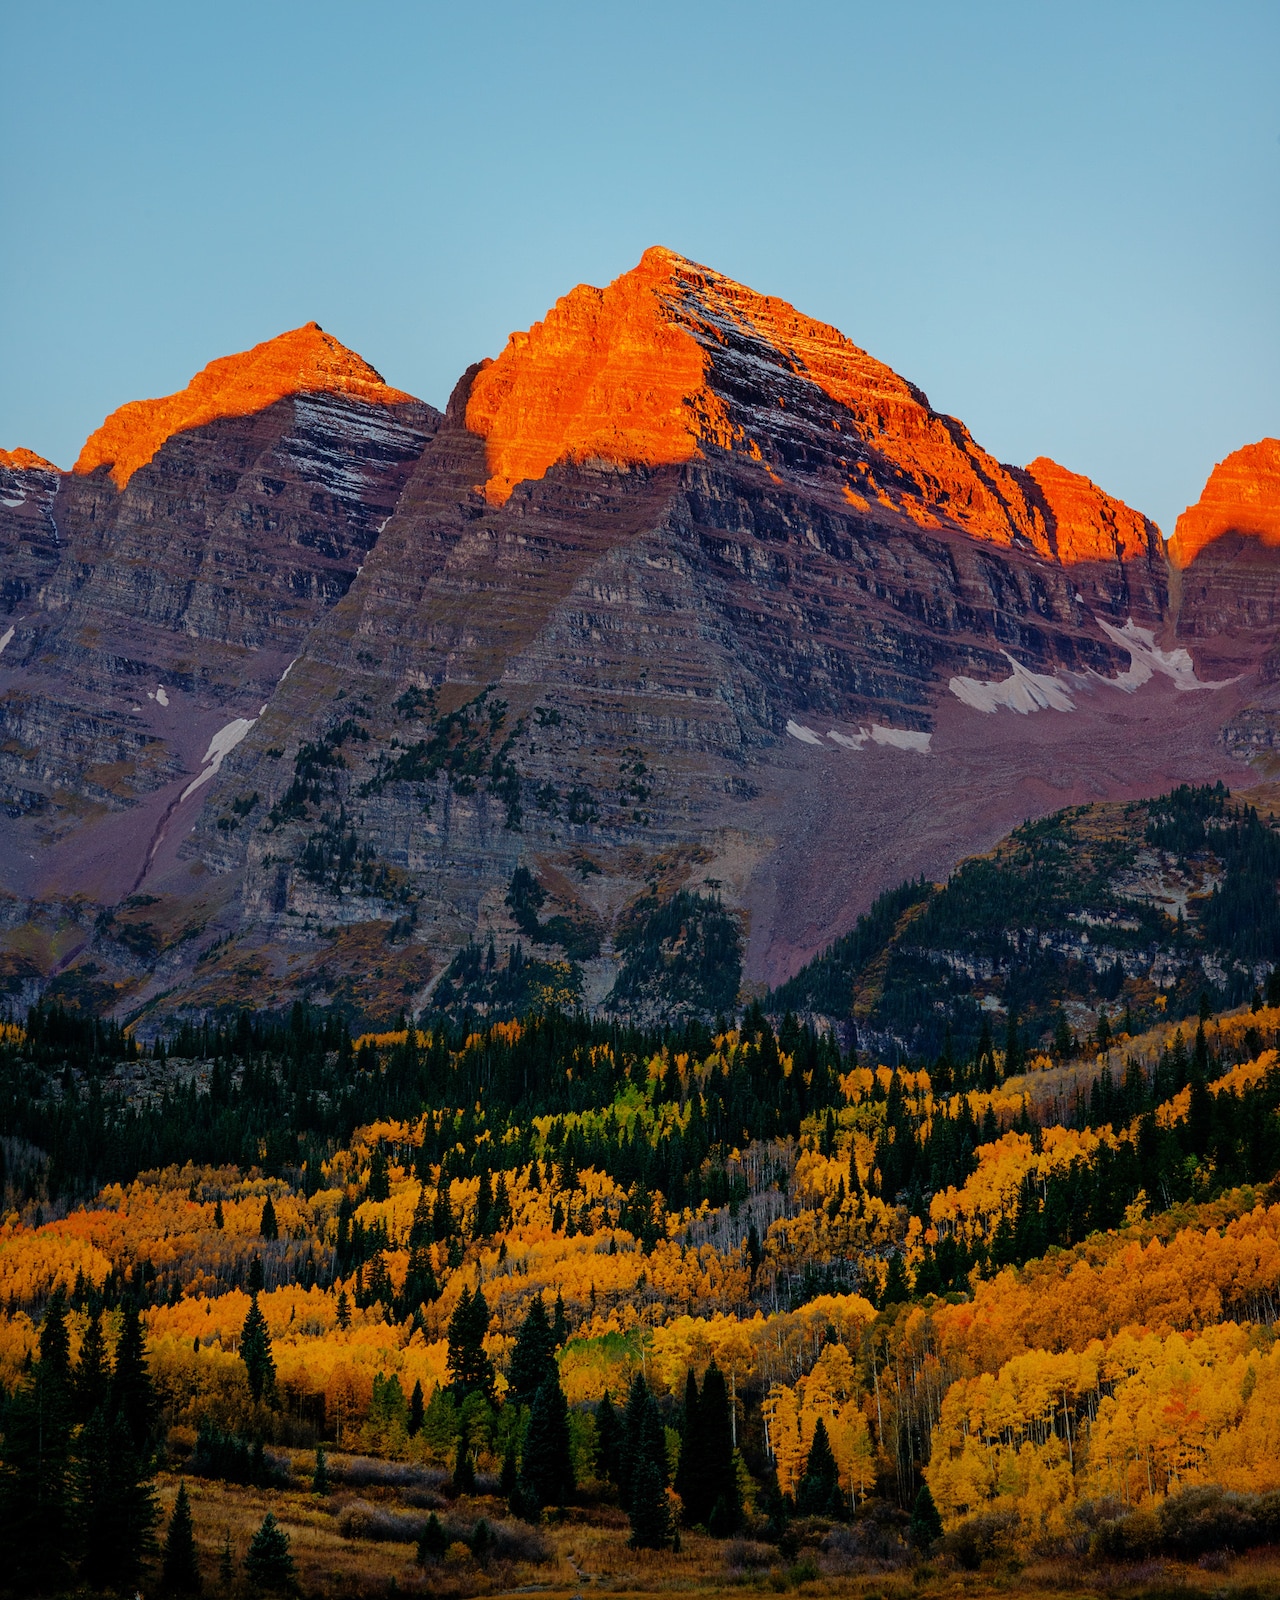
(1241, 496)
(304, 360)
(1088, 523)
(24, 460)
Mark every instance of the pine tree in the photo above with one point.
(464, 1471)
(433, 1542)
(133, 1397)
(608, 1442)
(320, 1476)
(723, 1501)
(546, 1471)
(181, 1566)
(896, 1287)
(92, 1382)
(34, 1484)
(268, 1563)
(219, 1221)
(649, 1514)
(255, 1283)
(255, 1352)
(269, 1228)
(416, 1409)
(344, 1311)
(818, 1493)
(690, 1474)
(559, 1325)
(115, 1507)
(469, 1362)
(532, 1360)
(926, 1524)
(226, 1565)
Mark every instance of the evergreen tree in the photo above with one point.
(469, 1362)
(219, 1221)
(320, 1483)
(896, 1287)
(433, 1542)
(379, 1178)
(268, 1564)
(269, 1228)
(546, 1471)
(690, 1473)
(464, 1472)
(926, 1525)
(92, 1383)
(416, 1409)
(34, 1483)
(343, 1311)
(133, 1397)
(255, 1352)
(818, 1492)
(649, 1514)
(532, 1360)
(559, 1326)
(226, 1565)
(608, 1442)
(255, 1283)
(181, 1567)
(722, 1499)
(115, 1507)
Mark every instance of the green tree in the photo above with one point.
(343, 1311)
(180, 1570)
(546, 1470)
(133, 1396)
(115, 1506)
(559, 1323)
(926, 1525)
(608, 1442)
(320, 1476)
(690, 1473)
(649, 1514)
(722, 1497)
(818, 1492)
(469, 1362)
(433, 1542)
(533, 1359)
(269, 1564)
(92, 1383)
(416, 1409)
(379, 1178)
(34, 1484)
(464, 1471)
(255, 1352)
(269, 1228)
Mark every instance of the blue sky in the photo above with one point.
(1060, 220)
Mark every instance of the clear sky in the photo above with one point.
(1062, 220)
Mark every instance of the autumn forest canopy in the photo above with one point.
(962, 1248)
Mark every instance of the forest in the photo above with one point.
(558, 1301)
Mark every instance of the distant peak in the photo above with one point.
(305, 360)
(1088, 524)
(24, 460)
(1242, 496)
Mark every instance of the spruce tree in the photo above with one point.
(818, 1492)
(633, 1424)
(464, 1472)
(926, 1525)
(608, 1442)
(269, 1228)
(92, 1382)
(320, 1483)
(649, 1514)
(690, 1474)
(433, 1542)
(226, 1565)
(559, 1324)
(268, 1563)
(469, 1362)
(343, 1311)
(34, 1483)
(379, 1179)
(255, 1352)
(133, 1396)
(181, 1567)
(532, 1360)
(723, 1500)
(115, 1507)
(546, 1470)
(416, 1409)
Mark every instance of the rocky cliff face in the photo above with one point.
(686, 591)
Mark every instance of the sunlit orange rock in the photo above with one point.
(1242, 496)
(1089, 524)
(24, 460)
(304, 361)
(673, 359)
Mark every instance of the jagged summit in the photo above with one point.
(673, 359)
(24, 460)
(305, 360)
(1242, 496)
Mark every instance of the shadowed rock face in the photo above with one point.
(1227, 547)
(678, 594)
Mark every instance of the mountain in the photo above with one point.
(687, 630)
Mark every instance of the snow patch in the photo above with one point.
(158, 695)
(1146, 659)
(901, 738)
(5, 638)
(797, 730)
(1022, 691)
(220, 746)
(21, 500)
(847, 741)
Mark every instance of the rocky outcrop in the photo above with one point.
(1226, 547)
(29, 545)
